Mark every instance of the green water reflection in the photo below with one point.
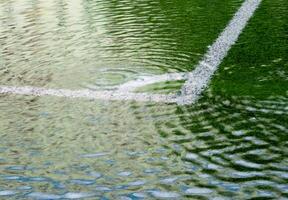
(227, 146)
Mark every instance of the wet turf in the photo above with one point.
(232, 144)
(258, 64)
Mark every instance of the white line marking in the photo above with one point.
(88, 94)
(200, 77)
(197, 81)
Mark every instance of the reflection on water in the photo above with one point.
(102, 43)
(56, 148)
(232, 147)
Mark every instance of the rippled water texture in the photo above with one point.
(98, 44)
(232, 144)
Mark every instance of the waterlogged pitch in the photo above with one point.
(95, 99)
(196, 80)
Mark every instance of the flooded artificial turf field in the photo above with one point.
(231, 144)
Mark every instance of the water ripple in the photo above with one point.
(223, 147)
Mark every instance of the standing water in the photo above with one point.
(232, 144)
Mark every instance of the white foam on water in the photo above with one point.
(147, 80)
(197, 80)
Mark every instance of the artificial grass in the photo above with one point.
(258, 64)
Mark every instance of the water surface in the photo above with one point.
(230, 145)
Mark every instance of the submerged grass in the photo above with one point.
(258, 64)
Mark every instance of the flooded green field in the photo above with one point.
(231, 144)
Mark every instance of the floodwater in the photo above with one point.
(223, 147)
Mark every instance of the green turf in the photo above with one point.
(103, 43)
(227, 147)
(258, 64)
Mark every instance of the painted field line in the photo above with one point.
(200, 77)
(197, 80)
(88, 94)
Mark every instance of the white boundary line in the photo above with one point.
(197, 81)
(200, 77)
(88, 94)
